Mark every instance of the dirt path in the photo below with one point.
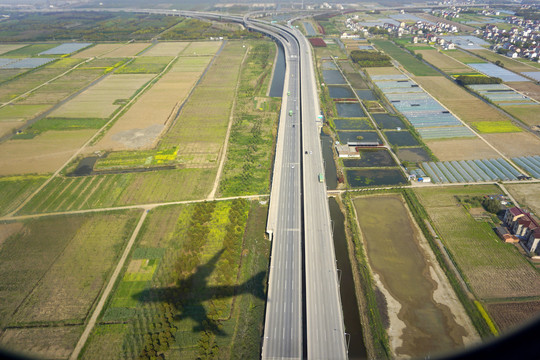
(223, 154)
(108, 289)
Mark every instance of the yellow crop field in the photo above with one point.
(490, 127)
(166, 49)
(100, 100)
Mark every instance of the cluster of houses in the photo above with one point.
(520, 226)
(524, 42)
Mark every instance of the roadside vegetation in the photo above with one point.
(192, 288)
(250, 153)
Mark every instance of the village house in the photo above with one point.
(524, 226)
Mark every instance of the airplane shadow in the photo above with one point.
(188, 295)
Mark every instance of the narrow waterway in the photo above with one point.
(351, 315)
(330, 171)
(276, 88)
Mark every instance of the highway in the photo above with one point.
(299, 218)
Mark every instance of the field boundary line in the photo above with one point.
(97, 311)
(127, 207)
(223, 154)
(98, 133)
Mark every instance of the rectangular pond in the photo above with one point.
(349, 110)
(374, 177)
(340, 92)
(386, 121)
(401, 138)
(352, 124)
(355, 136)
(333, 77)
(366, 95)
(371, 158)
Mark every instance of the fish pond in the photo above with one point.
(333, 77)
(401, 138)
(352, 124)
(355, 136)
(371, 158)
(386, 121)
(340, 92)
(366, 95)
(349, 110)
(375, 177)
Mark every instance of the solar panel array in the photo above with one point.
(64, 49)
(426, 115)
(501, 94)
(28, 63)
(530, 163)
(493, 70)
(470, 171)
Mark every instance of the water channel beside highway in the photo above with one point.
(349, 302)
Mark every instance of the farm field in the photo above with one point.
(250, 150)
(407, 270)
(30, 80)
(166, 49)
(489, 127)
(141, 124)
(473, 245)
(509, 315)
(101, 100)
(467, 107)
(6, 74)
(508, 63)
(146, 65)
(463, 56)
(408, 61)
(515, 144)
(13, 116)
(197, 249)
(4, 48)
(526, 195)
(96, 50)
(127, 50)
(102, 191)
(57, 282)
(30, 50)
(383, 71)
(201, 126)
(443, 62)
(62, 87)
(528, 114)
(14, 189)
(461, 149)
(202, 48)
(44, 153)
(527, 88)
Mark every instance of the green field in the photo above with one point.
(145, 65)
(463, 56)
(14, 189)
(409, 62)
(20, 112)
(249, 156)
(30, 50)
(57, 124)
(474, 246)
(490, 127)
(214, 245)
(101, 191)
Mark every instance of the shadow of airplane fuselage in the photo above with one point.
(189, 304)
